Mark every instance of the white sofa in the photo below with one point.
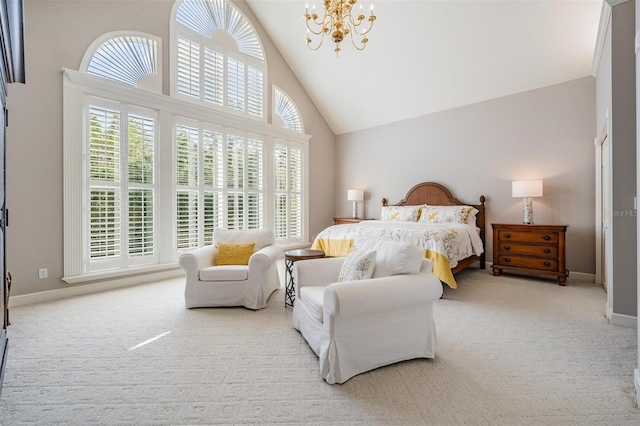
(249, 285)
(357, 326)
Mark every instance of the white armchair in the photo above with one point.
(249, 285)
(357, 326)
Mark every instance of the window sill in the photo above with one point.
(120, 273)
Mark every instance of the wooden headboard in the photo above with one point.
(437, 195)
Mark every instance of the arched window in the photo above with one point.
(218, 57)
(286, 111)
(128, 57)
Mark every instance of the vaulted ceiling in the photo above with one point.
(428, 56)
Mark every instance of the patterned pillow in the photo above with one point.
(234, 254)
(400, 213)
(357, 266)
(448, 214)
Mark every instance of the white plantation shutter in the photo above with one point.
(105, 223)
(213, 76)
(212, 182)
(186, 219)
(141, 147)
(188, 67)
(255, 173)
(288, 191)
(141, 222)
(121, 192)
(125, 58)
(255, 90)
(206, 16)
(187, 156)
(235, 84)
(284, 107)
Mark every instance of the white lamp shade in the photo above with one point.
(355, 195)
(526, 188)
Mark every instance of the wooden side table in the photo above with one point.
(537, 249)
(290, 257)
(343, 220)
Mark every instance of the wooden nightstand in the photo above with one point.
(537, 249)
(343, 220)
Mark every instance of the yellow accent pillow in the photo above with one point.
(234, 254)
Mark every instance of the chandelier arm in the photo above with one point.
(319, 44)
(364, 42)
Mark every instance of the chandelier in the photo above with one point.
(340, 23)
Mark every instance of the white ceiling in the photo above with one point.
(425, 56)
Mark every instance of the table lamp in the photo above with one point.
(355, 195)
(527, 189)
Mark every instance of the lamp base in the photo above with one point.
(527, 208)
(354, 212)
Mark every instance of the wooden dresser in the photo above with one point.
(536, 249)
(343, 220)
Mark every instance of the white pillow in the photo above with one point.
(400, 213)
(358, 265)
(448, 214)
(393, 257)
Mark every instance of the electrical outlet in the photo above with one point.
(42, 273)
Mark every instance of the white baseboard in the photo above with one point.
(583, 276)
(62, 293)
(624, 320)
(636, 382)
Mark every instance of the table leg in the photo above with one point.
(289, 289)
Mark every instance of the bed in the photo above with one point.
(451, 246)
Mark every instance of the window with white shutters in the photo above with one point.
(121, 190)
(223, 166)
(232, 75)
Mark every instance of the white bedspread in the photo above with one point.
(445, 244)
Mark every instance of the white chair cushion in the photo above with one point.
(392, 257)
(312, 297)
(225, 273)
(260, 237)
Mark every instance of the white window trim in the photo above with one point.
(78, 85)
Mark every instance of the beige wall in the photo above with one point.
(57, 35)
(479, 149)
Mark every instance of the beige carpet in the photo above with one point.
(511, 351)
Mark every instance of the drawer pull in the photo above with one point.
(507, 247)
(547, 251)
(547, 264)
(547, 238)
(507, 235)
(506, 259)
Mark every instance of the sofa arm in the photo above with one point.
(317, 271)
(261, 260)
(380, 294)
(195, 260)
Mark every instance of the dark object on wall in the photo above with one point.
(11, 71)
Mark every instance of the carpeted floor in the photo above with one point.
(511, 351)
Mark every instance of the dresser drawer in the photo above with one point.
(530, 250)
(549, 237)
(528, 262)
